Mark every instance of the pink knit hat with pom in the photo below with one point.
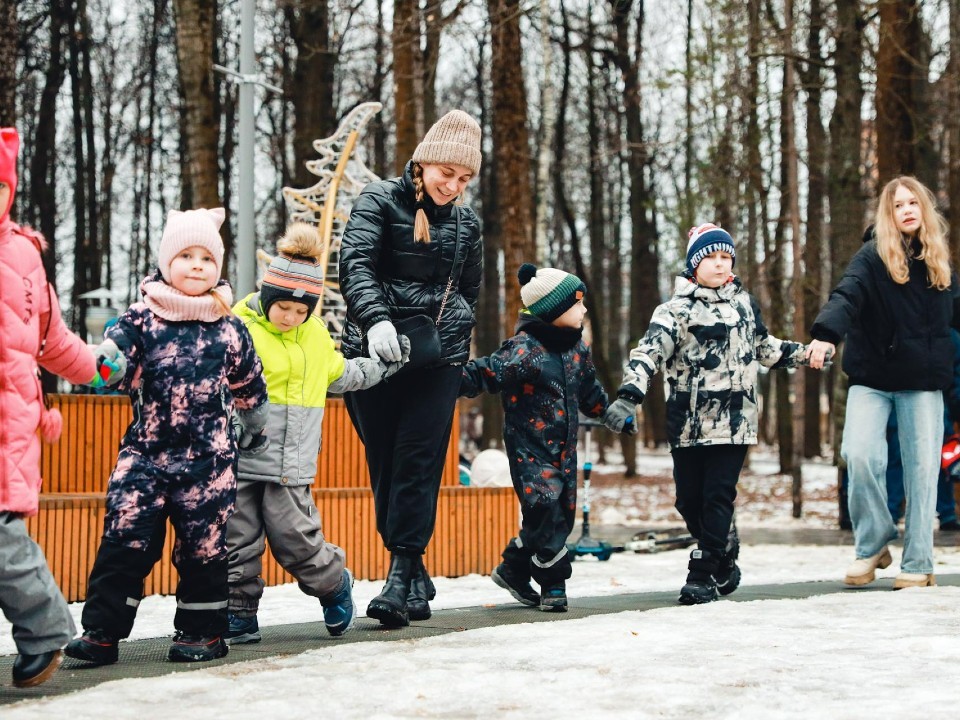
(191, 228)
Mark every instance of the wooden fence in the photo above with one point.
(473, 524)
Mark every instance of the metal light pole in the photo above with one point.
(246, 79)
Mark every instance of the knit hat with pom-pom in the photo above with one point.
(295, 273)
(548, 293)
(705, 240)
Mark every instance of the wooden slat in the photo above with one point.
(83, 458)
(473, 524)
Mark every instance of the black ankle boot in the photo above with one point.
(390, 606)
(422, 591)
(701, 585)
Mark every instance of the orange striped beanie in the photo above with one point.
(292, 277)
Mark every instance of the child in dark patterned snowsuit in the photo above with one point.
(190, 365)
(544, 375)
(707, 340)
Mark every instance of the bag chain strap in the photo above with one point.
(456, 253)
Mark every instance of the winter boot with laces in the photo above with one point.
(422, 590)
(516, 582)
(242, 630)
(728, 572)
(339, 611)
(196, 648)
(701, 585)
(94, 646)
(390, 606)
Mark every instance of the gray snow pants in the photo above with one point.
(29, 596)
(288, 518)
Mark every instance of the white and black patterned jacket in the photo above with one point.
(707, 341)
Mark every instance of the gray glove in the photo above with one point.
(392, 368)
(363, 373)
(250, 436)
(621, 416)
(108, 355)
(383, 343)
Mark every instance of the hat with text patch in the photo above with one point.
(705, 240)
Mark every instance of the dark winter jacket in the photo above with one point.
(544, 375)
(707, 341)
(386, 275)
(185, 380)
(897, 336)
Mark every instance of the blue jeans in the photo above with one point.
(864, 448)
(946, 511)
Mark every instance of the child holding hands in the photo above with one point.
(544, 375)
(274, 501)
(706, 339)
(191, 364)
(32, 333)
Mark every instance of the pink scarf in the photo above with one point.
(171, 304)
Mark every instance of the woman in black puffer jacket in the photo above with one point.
(409, 249)
(894, 308)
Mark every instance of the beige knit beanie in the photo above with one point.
(189, 228)
(454, 139)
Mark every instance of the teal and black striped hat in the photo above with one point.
(548, 293)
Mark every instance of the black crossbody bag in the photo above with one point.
(422, 330)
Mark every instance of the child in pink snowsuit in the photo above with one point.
(32, 332)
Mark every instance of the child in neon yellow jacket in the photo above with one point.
(274, 502)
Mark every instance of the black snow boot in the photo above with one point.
(516, 581)
(728, 572)
(390, 606)
(196, 648)
(701, 586)
(422, 591)
(94, 646)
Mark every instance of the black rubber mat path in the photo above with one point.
(147, 658)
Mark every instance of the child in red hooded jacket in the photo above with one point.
(32, 332)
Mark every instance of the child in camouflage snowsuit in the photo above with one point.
(544, 375)
(191, 363)
(706, 340)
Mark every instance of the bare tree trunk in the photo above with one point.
(899, 83)
(489, 329)
(812, 78)
(377, 127)
(598, 273)
(195, 23)
(314, 110)
(511, 147)
(86, 254)
(751, 141)
(406, 45)
(434, 22)
(644, 257)
(952, 79)
(792, 201)
(41, 211)
(8, 62)
(843, 187)
(548, 119)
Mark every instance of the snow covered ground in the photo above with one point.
(850, 654)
